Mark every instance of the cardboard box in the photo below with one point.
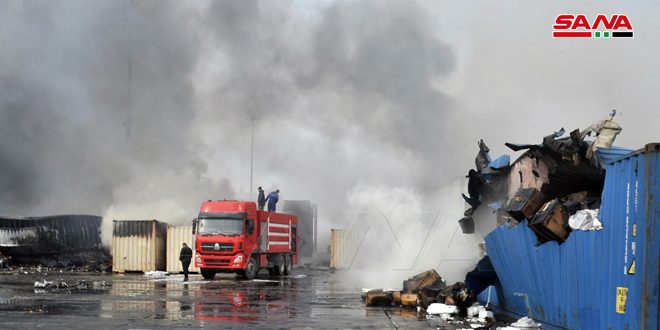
(525, 203)
(551, 222)
(420, 281)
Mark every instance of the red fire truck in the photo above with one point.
(233, 237)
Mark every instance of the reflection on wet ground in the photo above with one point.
(315, 298)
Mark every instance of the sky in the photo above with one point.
(142, 109)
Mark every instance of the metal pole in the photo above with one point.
(252, 119)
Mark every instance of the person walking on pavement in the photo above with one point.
(185, 256)
(272, 199)
(261, 200)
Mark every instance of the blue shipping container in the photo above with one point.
(605, 279)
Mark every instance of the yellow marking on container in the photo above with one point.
(631, 269)
(621, 297)
(634, 230)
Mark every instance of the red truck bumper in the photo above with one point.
(220, 262)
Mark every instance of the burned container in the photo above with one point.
(176, 236)
(52, 240)
(138, 245)
(49, 235)
(606, 279)
(307, 224)
(525, 203)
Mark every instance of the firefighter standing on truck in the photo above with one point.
(185, 256)
(272, 199)
(261, 200)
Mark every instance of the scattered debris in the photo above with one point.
(44, 284)
(438, 308)
(474, 310)
(484, 314)
(606, 131)
(423, 280)
(378, 297)
(423, 290)
(156, 274)
(40, 286)
(5, 261)
(409, 299)
(585, 220)
(467, 225)
(457, 294)
(524, 323)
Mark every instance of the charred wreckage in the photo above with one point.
(61, 241)
(553, 188)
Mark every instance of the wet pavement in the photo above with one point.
(313, 298)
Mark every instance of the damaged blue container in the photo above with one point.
(607, 279)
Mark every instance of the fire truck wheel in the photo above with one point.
(207, 274)
(250, 269)
(288, 270)
(279, 267)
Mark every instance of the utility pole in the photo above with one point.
(252, 119)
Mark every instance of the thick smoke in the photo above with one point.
(141, 109)
(339, 98)
(97, 105)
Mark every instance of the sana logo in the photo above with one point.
(602, 26)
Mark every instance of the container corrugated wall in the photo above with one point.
(50, 235)
(343, 247)
(604, 279)
(176, 236)
(138, 245)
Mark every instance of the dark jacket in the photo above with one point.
(272, 198)
(185, 254)
(262, 199)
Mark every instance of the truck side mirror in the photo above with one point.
(194, 226)
(249, 227)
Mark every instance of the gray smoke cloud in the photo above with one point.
(141, 109)
(339, 98)
(96, 110)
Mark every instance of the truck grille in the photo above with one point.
(224, 247)
(217, 261)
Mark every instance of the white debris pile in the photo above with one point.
(44, 284)
(156, 274)
(585, 220)
(478, 313)
(524, 323)
(446, 312)
(437, 309)
(101, 284)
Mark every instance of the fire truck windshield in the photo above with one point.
(220, 226)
